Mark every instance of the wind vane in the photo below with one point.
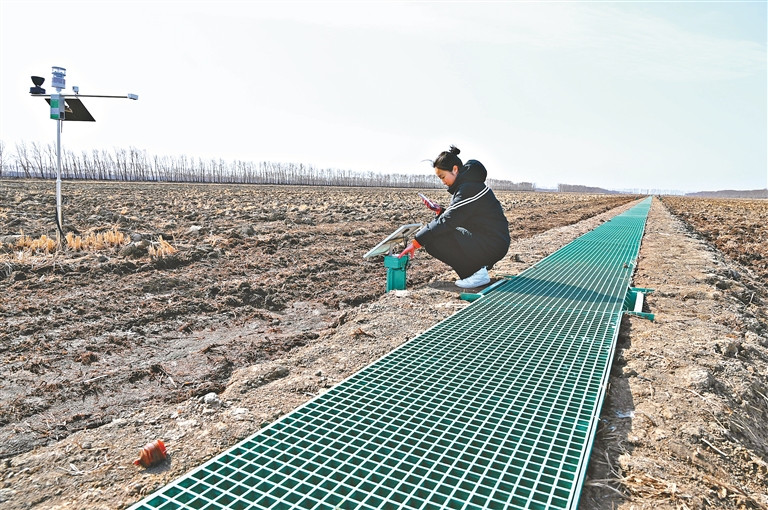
(69, 108)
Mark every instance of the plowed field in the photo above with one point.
(737, 227)
(267, 303)
(89, 334)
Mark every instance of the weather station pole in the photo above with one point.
(57, 105)
(65, 108)
(58, 176)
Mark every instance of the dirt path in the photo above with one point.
(685, 422)
(683, 425)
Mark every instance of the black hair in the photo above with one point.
(448, 159)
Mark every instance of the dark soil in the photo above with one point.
(737, 227)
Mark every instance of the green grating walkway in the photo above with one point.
(495, 407)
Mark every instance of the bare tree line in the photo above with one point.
(731, 193)
(38, 161)
(578, 188)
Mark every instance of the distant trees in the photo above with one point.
(731, 193)
(577, 188)
(39, 161)
(511, 186)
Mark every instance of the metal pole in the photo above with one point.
(59, 221)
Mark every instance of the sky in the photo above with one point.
(620, 95)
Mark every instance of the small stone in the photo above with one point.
(628, 372)
(698, 378)
(694, 431)
(212, 400)
(116, 422)
(186, 424)
(240, 413)
(129, 251)
(732, 349)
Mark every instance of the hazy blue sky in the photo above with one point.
(619, 95)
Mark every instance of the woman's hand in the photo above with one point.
(431, 205)
(410, 250)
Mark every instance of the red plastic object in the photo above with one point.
(152, 454)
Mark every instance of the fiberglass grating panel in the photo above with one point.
(494, 407)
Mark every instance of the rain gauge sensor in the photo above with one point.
(396, 267)
(64, 107)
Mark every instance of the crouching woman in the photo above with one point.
(472, 233)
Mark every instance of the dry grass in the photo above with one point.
(42, 244)
(93, 241)
(163, 248)
(90, 242)
(644, 487)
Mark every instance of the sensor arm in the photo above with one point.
(127, 96)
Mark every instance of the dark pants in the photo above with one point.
(459, 252)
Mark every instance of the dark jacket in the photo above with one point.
(475, 208)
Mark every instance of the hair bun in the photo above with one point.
(455, 150)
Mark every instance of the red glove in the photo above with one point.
(410, 250)
(434, 206)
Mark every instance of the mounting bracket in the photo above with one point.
(633, 302)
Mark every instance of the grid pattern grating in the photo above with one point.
(495, 407)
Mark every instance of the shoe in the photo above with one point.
(476, 280)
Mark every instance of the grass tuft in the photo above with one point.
(98, 241)
(163, 249)
(43, 244)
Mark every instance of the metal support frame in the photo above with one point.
(633, 303)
